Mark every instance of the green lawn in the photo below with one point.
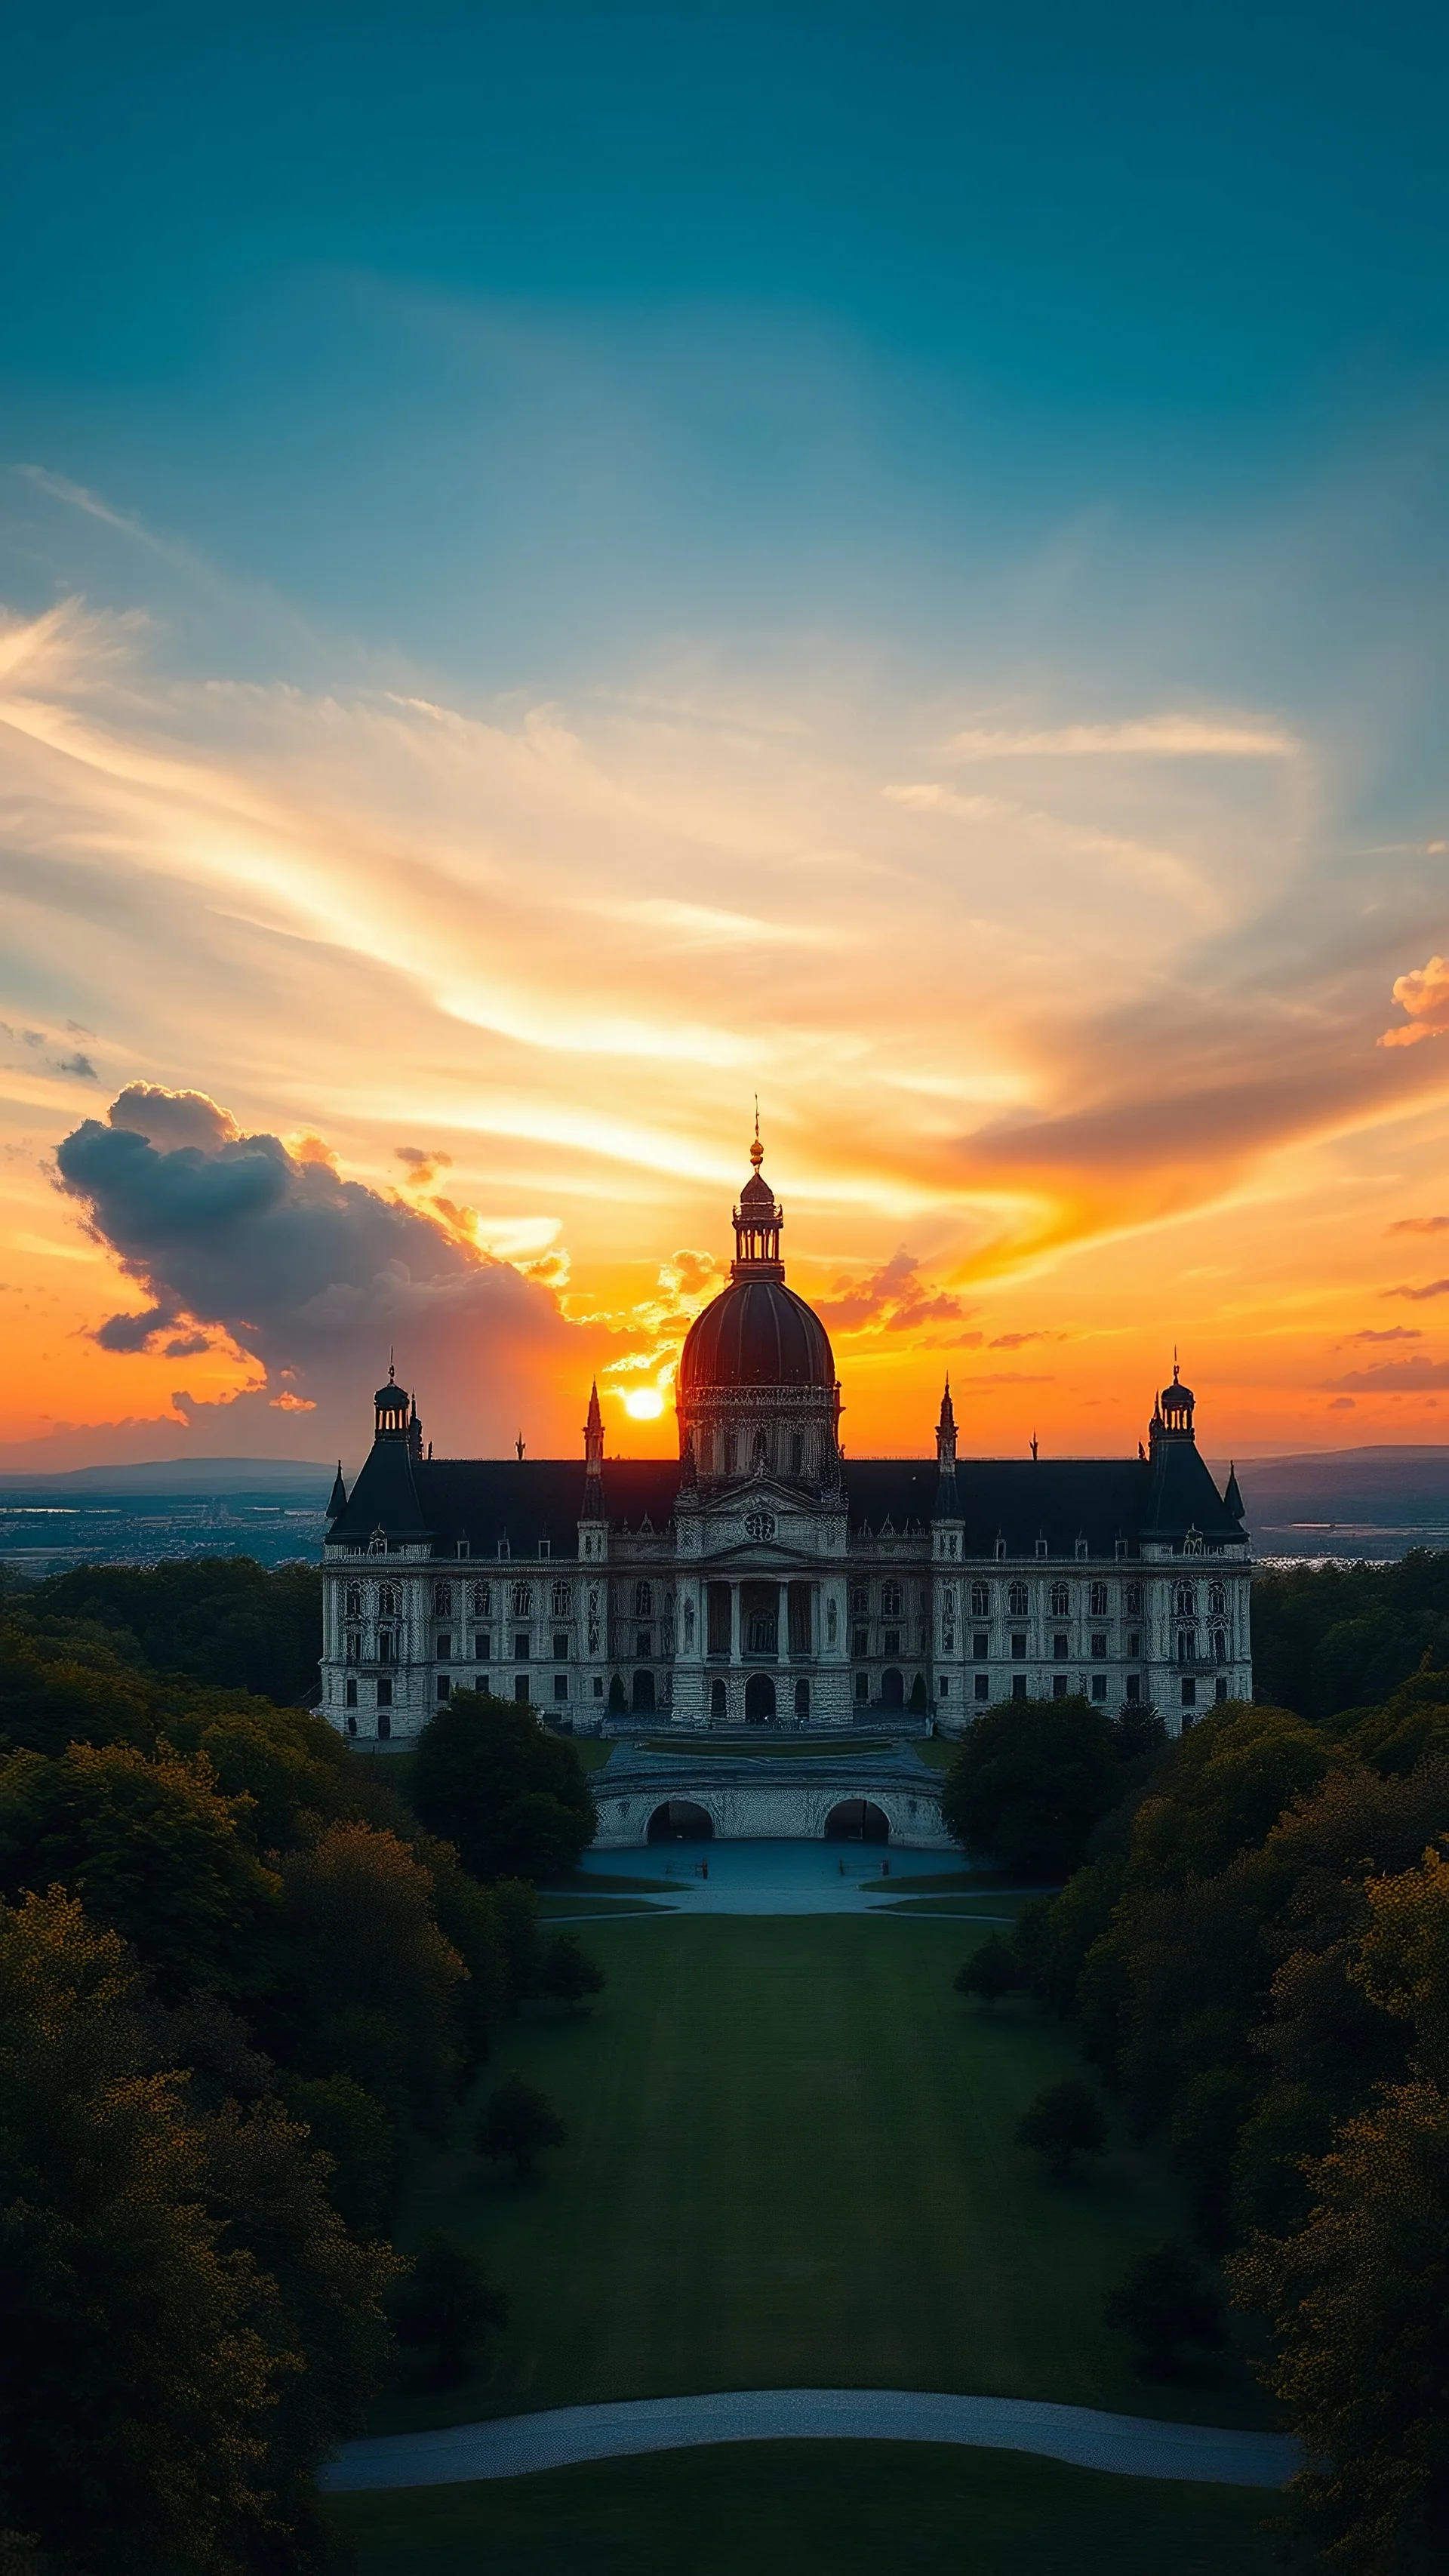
(813, 2509)
(790, 2163)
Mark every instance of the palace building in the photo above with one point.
(761, 1577)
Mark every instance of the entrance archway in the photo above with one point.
(644, 1694)
(718, 1699)
(679, 1820)
(857, 1820)
(892, 1689)
(759, 1699)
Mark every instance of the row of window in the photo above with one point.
(514, 1600)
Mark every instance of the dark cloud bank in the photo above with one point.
(315, 1278)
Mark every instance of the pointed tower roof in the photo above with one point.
(337, 1500)
(1233, 1497)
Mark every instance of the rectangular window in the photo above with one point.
(352, 1694)
(1134, 1688)
(384, 1694)
(560, 1685)
(445, 1650)
(719, 1618)
(520, 1687)
(943, 1685)
(1189, 1694)
(1220, 1688)
(1099, 1685)
(643, 1641)
(983, 1686)
(444, 1686)
(1018, 1650)
(598, 1685)
(1097, 1601)
(980, 1645)
(980, 1601)
(1059, 1646)
(860, 1641)
(520, 1646)
(891, 1642)
(1134, 1643)
(1059, 1685)
(862, 1685)
(1018, 1685)
(561, 1647)
(1099, 1642)
(482, 1646)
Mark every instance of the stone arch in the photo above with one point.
(892, 1688)
(643, 1695)
(759, 1699)
(857, 1820)
(719, 1698)
(681, 1820)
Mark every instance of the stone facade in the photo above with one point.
(762, 1578)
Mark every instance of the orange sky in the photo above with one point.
(1068, 1033)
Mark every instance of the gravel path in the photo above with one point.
(513, 2446)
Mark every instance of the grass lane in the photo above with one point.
(791, 2163)
(813, 2509)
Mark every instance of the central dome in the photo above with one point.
(757, 1332)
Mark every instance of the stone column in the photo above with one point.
(782, 1628)
(734, 1624)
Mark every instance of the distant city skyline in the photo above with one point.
(561, 570)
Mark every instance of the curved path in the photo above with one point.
(512, 2446)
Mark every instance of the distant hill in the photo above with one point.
(301, 1477)
(1377, 1502)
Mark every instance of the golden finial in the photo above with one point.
(757, 1151)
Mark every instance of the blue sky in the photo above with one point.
(559, 566)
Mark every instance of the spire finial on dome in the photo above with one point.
(757, 1151)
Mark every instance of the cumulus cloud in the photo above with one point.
(313, 1278)
(1423, 995)
(422, 1165)
(893, 1299)
(1396, 1377)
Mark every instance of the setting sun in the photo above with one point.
(644, 1403)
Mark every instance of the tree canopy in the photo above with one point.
(513, 1798)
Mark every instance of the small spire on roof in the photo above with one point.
(518, 1444)
(757, 1151)
(1033, 1444)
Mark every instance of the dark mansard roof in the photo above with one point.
(492, 1501)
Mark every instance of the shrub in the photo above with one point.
(1065, 2122)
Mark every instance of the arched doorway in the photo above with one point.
(857, 1820)
(719, 1705)
(892, 1689)
(643, 1694)
(679, 1820)
(759, 1699)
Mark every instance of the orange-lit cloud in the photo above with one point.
(1424, 994)
(1100, 1051)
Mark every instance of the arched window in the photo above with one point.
(1097, 1601)
(643, 1600)
(890, 1601)
(354, 1601)
(1217, 1600)
(1220, 1646)
(980, 1600)
(1132, 1600)
(522, 1600)
(1185, 1601)
(1187, 1645)
(443, 1600)
(1016, 1600)
(482, 1601)
(386, 1602)
(562, 1600)
(1061, 1600)
(859, 1597)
